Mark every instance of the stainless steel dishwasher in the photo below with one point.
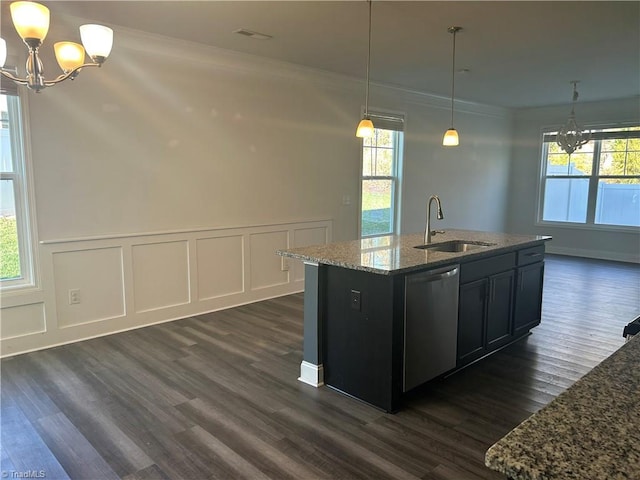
(430, 324)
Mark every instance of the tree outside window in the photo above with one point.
(15, 257)
(381, 157)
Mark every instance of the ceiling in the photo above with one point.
(517, 53)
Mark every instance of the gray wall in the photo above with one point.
(525, 173)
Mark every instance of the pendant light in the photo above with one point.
(571, 137)
(450, 138)
(365, 127)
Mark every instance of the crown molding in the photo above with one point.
(178, 50)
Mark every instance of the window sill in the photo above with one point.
(21, 295)
(589, 226)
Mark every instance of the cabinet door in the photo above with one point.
(500, 309)
(528, 309)
(471, 314)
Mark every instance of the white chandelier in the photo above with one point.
(571, 137)
(31, 21)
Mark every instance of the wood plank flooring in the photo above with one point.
(217, 396)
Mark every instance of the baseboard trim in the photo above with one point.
(311, 374)
(595, 254)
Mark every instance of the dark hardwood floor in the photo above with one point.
(217, 396)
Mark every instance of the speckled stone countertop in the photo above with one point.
(392, 254)
(589, 432)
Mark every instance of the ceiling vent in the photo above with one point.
(252, 34)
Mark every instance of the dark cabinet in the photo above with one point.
(499, 309)
(471, 315)
(500, 300)
(362, 335)
(528, 309)
(369, 328)
(485, 315)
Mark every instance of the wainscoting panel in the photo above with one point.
(220, 263)
(130, 281)
(95, 276)
(160, 275)
(266, 267)
(22, 320)
(304, 237)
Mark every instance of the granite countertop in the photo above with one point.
(392, 254)
(589, 432)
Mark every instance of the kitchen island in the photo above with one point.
(383, 315)
(590, 431)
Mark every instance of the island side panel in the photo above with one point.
(361, 336)
(311, 369)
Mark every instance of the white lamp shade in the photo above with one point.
(69, 55)
(365, 128)
(30, 19)
(3, 52)
(450, 138)
(97, 40)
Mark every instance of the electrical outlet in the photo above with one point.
(74, 297)
(356, 300)
(284, 264)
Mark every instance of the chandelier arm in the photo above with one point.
(19, 81)
(70, 74)
(49, 83)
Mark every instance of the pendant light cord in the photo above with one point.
(453, 72)
(574, 99)
(366, 98)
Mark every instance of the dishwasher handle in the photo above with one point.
(435, 277)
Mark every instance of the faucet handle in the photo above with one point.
(434, 232)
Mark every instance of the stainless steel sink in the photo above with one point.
(455, 246)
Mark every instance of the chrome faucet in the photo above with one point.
(428, 233)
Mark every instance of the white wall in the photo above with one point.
(471, 179)
(524, 181)
(129, 281)
(165, 180)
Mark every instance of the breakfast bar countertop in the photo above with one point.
(392, 254)
(590, 431)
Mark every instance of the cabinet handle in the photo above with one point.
(490, 291)
(435, 277)
(533, 254)
(520, 281)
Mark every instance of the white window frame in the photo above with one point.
(548, 136)
(392, 121)
(22, 179)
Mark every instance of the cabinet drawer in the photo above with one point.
(486, 267)
(531, 255)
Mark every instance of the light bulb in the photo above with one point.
(3, 52)
(30, 19)
(97, 41)
(365, 128)
(69, 55)
(450, 138)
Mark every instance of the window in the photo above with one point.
(381, 160)
(15, 253)
(598, 185)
